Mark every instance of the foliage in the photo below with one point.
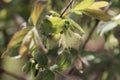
(60, 36)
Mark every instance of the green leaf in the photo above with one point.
(37, 10)
(18, 37)
(54, 13)
(12, 52)
(99, 4)
(96, 13)
(78, 12)
(27, 67)
(63, 61)
(26, 43)
(41, 59)
(15, 42)
(77, 26)
(83, 5)
(46, 75)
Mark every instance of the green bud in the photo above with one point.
(56, 36)
(52, 25)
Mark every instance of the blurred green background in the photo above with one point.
(102, 54)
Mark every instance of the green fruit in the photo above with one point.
(52, 25)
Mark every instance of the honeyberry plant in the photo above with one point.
(56, 33)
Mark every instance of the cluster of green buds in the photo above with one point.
(62, 32)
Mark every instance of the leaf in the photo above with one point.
(70, 11)
(54, 13)
(77, 26)
(41, 59)
(99, 4)
(26, 43)
(98, 14)
(63, 61)
(18, 37)
(15, 42)
(104, 27)
(37, 10)
(27, 67)
(78, 12)
(46, 75)
(83, 5)
(12, 52)
(23, 49)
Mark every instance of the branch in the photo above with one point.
(90, 34)
(11, 74)
(71, 1)
(107, 8)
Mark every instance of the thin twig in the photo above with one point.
(71, 1)
(90, 34)
(107, 8)
(94, 27)
(11, 74)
